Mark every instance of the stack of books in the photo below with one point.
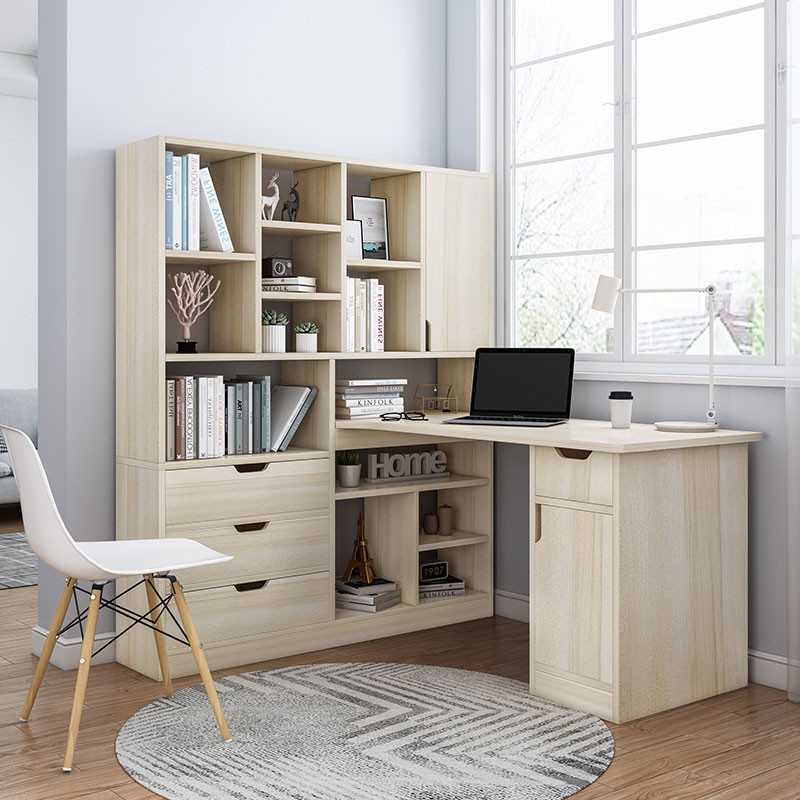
(193, 216)
(368, 597)
(450, 586)
(364, 305)
(369, 397)
(209, 417)
(298, 283)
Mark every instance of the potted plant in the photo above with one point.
(306, 337)
(348, 468)
(274, 331)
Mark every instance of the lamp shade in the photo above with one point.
(605, 295)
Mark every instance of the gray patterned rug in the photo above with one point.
(18, 565)
(372, 731)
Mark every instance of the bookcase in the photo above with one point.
(276, 512)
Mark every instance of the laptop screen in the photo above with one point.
(525, 381)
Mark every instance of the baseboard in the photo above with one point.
(67, 651)
(768, 669)
(764, 668)
(511, 605)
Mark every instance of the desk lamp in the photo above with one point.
(605, 298)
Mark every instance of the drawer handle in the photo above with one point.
(251, 467)
(251, 586)
(247, 527)
(575, 455)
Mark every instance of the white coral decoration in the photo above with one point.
(193, 294)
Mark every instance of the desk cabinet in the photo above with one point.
(638, 577)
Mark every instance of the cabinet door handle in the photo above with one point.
(247, 527)
(537, 523)
(252, 586)
(257, 467)
(573, 454)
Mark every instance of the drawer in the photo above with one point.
(281, 547)
(223, 494)
(224, 614)
(584, 476)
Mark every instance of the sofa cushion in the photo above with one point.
(18, 409)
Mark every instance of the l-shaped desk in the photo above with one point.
(638, 571)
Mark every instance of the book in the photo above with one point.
(369, 391)
(373, 411)
(230, 418)
(193, 202)
(184, 202)
(247, 416)
(168, 200)
(239, 418)
(261, 408)
(170, 419)
(202, 405)
(375, 401)
(298, 418)
(449, 582)
(219, 445)
(190, 420)
(374, 599)
(350, 315)
(180, 418)
(380, 382)
(359, 587)
(304, 289)
(361, 316)
(379, 324)
(342, 601)
(435, 594)
(214, 233)
(177, 211)
(295, 280)
(365, 395)
(372, 315)
(286, 403)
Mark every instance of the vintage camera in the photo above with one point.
(277, 268)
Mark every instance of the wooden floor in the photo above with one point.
(741, 746)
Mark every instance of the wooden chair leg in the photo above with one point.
(161, 644)
(83, 675)
(47, 650)
(200, 659)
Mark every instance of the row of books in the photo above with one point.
(369, 397)
(193, 215)
(450, 586)
(209, 417)
(296, 283)
(364, 304)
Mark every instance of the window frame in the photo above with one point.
(777, 268)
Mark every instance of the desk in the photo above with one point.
(638, 593)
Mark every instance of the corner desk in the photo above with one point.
(638, 560)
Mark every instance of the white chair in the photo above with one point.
(100, 563)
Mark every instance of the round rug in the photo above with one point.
(375, 731)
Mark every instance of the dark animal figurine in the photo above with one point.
(292, 205)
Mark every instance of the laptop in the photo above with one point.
(526, 386)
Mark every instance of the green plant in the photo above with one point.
(272, 317)
(348, 458)
(306, 327)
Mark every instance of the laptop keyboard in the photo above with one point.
(521, 421)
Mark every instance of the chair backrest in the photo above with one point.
(47, 535)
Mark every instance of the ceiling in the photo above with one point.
(18, 26)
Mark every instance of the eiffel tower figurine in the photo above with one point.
(361, 562)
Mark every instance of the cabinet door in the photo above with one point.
(572, 593)
(458, 261)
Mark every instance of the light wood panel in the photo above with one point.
(582, 475)
(322, 194)
(404, 326)
(458, 260)
(403, 195)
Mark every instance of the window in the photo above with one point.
(642, 144)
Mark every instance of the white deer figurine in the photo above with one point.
(269, 202)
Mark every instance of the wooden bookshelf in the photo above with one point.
(279, 518)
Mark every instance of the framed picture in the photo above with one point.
(354, 249)
(371, 212)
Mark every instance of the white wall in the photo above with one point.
(359, 78)
(18, 226)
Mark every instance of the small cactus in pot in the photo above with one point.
(273, 331)
(306, 337)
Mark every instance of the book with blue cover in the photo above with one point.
(168, 200)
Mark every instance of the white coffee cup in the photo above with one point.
(621, 408)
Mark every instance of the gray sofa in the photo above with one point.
(18, 409)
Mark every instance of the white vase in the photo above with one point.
(306, 342)
(349, 475)
(274, 338)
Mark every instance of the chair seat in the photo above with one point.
(144, 556)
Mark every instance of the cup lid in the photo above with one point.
(620, 396)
